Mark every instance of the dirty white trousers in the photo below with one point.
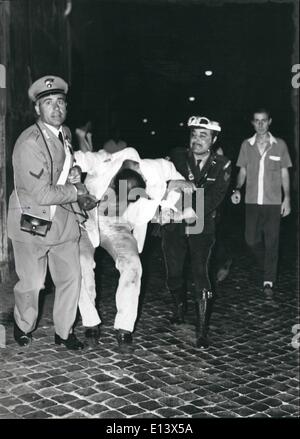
(117, 239)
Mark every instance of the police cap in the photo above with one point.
(47, 85)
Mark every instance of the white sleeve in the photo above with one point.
(139, 233)
(141, 211)
(170, 171)
(88, 161)
(128, 153)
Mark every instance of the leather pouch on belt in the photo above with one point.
(34, 225)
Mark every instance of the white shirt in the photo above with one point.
(102, 166)
(157, 173)
(67, 163)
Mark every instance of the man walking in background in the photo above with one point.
(264, 161)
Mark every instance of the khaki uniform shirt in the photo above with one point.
(33, 166)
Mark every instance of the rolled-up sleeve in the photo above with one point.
(242, 158)
(285, 157)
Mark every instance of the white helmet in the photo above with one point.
(203, 122)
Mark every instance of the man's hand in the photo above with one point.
(188, 214)
(285, 207)
(182, 185)
(236, 196)
(74, 175)
(86, 201)
(81, 189)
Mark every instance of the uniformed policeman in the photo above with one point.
(200, 164)
(42, 223)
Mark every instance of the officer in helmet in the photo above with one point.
(201, 164)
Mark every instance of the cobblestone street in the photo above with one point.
(251, 368)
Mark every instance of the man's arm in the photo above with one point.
(241, 178)
(175, 180)
(285, 183)
(84, 138)
(85, 157)
(169, 170)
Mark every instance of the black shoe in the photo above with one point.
(202, 342)
(268, 291)
(71, 342)
(21, 337)
(124, 339)
(92, 334)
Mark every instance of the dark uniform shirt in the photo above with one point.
(214, 178)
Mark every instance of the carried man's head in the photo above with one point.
(203, 134)
(129, 185)
(49, 96)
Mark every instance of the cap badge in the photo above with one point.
(49, 82)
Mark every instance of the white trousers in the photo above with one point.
(117, 239)
(87, 298)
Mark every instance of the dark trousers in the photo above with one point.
(175, 246)
(262, 236)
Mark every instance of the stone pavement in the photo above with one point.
(250, 370)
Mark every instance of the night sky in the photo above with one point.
(143, 60)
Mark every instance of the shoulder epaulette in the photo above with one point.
(228, 163)
(33, 133)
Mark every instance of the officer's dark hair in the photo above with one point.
(261, 110)
(133, 179)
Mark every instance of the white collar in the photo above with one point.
(54, 130)
(252, 139)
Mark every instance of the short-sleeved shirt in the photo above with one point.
(263, 181)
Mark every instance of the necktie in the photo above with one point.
(199, 163)
(60, 136)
